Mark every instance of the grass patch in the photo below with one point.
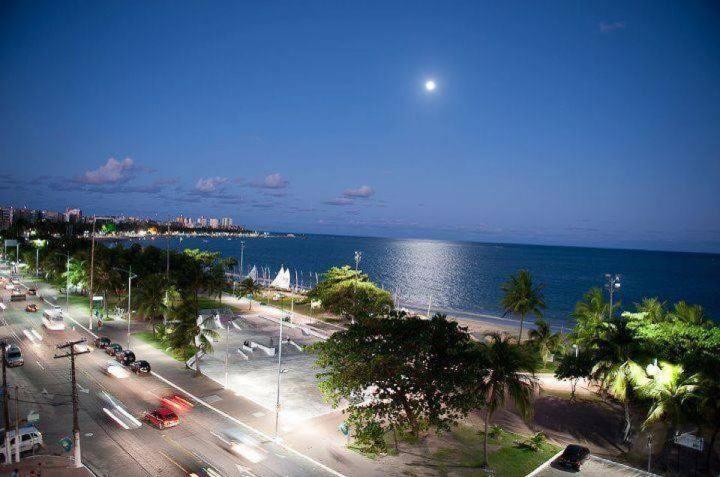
(504, 456)
(207, 303)
(181, 355)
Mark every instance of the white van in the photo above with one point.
(31, 439)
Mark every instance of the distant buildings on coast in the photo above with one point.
(72, 215)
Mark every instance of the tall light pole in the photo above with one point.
(358, 257)
(39, 243)
(613, 283)
(130, 278)
(242, 253)
(227, 351)
(92, 269)
(167, 272)
(279, 374)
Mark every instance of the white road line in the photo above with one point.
(41, 366)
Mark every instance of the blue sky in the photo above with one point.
(578, 123)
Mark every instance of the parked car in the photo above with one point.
(32, 291)
(573, 457)
(113, 348)
(140, 367)
(31, 308)
(13, 356)
(102, 342)
(125, 357)
(31, 439)
(111, 368)
(17, 296)
(81, 347)
(162, 418)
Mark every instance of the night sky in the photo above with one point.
(577, 123)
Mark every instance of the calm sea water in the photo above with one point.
(465, 277)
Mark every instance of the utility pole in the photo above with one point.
(167, 271)
(227, 351)
(73, 382)
(130, 277)
(6, 414)
(17, 425)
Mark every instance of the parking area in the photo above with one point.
(593, 467)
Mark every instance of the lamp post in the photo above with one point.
(130, 277)
(39, 243)
(92, 269)
(613, 283)
(280, 373)
(575, 347)
(242, 253)
(358, 257)
(227, 350)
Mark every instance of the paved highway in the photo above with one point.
(200, 445)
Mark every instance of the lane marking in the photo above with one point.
(173, 461)
(41, 366)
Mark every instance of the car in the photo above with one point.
(17, 296)
(113, 348)
(31, 439)
(162, 418)
(9, 287)
(177, 402)
(140, 367)
(81, 347)
(32, 291)
(573, 457)
(111, 368)
(125, 357)
(31, 308)
(102, 342)
(13, 356)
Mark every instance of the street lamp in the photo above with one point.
(130, 277)
(242, 253)
(39, 243)
(613, 284)
(575, 347)
(92, 268)
(358, 257)
(227, 350)
(281, 371)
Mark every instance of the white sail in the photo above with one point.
(253, 273)
(282, 280)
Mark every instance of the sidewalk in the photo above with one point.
(45, 465)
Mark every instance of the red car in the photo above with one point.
(162, 418)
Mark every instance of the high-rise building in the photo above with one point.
(73, 215)
(226, 222)
(50, 216)
(6, 218)
(202, 221)
(214, 223)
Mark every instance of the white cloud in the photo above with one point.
(211, 184)
(361, 192)
(273, 181)
(113, 172)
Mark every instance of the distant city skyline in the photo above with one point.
(546, 124)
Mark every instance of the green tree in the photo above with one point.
(508, 370)
(544, 340)
(186, 333)
(248, 287)
(708, 392)
(215, 281)
(150, 301)
(672, 393)
(574, 368)
(590, 315)
(653, 310)
(406, 373)
(350, 293)
(522, 297)
(77, 274)
(690, 314)
(616, 352)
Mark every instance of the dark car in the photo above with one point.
(162, 418)
(31, 308)
(102, 342)
(140, 367)
(573, 457)
(113, 348)
(125, 357)
(32, 291)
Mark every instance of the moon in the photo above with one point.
(430, 85)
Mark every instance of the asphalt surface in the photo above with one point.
(200, 445)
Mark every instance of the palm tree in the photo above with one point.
(544, 340)
(186, 332)
(690, 314)
(616, 367)
(510, 371)
(671, 392)
(150, 301)
(589, 316)
(653, 309)
(76, 274)
(522, 298)
(709, 408)
(215, 281)
(248, 287)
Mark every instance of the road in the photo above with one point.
(199, 445)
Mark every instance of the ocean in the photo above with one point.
(464, 278)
